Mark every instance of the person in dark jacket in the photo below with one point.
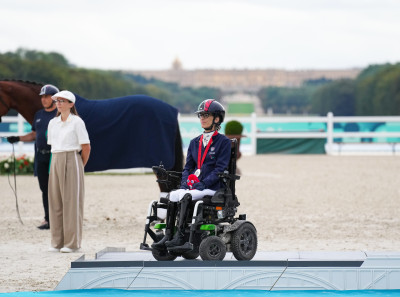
(42, 149)
(208, 155)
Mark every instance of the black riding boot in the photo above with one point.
(179, 237)
(170, 224)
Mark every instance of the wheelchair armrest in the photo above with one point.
(228, 176)
(162, 171)
(175, 174)
(166, 177)
(159, 170)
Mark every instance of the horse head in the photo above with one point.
(23, 96)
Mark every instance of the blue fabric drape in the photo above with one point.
(128, 132)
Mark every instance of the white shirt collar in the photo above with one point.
(207, 137)
(58, 119)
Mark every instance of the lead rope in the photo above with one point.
(15, 185)
(287, 264)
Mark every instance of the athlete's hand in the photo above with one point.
(199, 186)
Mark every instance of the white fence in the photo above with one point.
(329, 133)
(20, 121)
(253, 133)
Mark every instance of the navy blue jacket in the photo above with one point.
(216, 161)
(39, 125)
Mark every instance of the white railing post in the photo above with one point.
(329, 128)
(253, 133)
(21, 121)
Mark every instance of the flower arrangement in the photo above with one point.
(23, 165)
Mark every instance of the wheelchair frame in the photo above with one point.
(214, 229)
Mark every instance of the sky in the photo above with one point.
(206, 34)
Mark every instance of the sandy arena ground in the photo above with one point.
(314, 203)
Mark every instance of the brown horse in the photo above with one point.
(23, 97)
(15, 94)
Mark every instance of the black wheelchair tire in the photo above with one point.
(244, 242)
(190, 255)
(212, 248)
(163, 255)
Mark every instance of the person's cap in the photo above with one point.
(64, 94)
(48, 90)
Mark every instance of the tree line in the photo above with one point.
(375, 91)
(54, 68)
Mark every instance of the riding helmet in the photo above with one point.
(49, 90)
(212, 106)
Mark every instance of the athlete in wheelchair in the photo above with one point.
(201, 205)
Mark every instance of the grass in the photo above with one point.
(240, 108)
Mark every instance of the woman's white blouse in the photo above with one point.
(67, 136)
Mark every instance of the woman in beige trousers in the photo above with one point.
(67, 136)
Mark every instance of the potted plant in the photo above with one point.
(234, 129)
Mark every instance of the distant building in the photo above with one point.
(243, 80)
(176, 64)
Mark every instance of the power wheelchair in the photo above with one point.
(213, 230)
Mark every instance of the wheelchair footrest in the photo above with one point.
(182, 248)
(145, 246)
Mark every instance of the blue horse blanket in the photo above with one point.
(128, 132)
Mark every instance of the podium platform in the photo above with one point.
(116, 268)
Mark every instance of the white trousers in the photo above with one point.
(177, 195)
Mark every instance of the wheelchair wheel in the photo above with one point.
(244, 242)
(163, 255)
(190, 255)
(212, 248)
